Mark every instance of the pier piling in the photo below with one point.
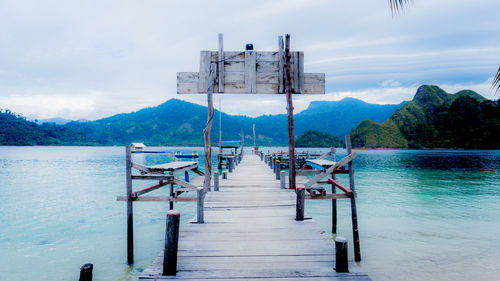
(216, 181)
(341, 261)
(171, 242)
(199, 205)
(86, 272)
(301, 192)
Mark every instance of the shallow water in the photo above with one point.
(423, 215)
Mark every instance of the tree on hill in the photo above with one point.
(312, 138)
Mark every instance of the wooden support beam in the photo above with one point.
(208, 129)
(346, 190)
(354, 212)
(328, 196)
(158, 199)
(281, 65)
(289, 107)
(334, 202)
(148, 189)
(130, 212)
(185, 185)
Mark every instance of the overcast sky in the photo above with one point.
(92, 59)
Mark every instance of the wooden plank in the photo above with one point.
(328, 196)
(250, 72)
(220, 64)
(204, 74)
(158, 199)
(250, 233)
(281, 65)
(266, 83)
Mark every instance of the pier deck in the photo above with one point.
(250, 233)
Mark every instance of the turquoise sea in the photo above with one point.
(423, 214)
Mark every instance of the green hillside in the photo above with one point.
(435, 119)
(16, 130)
(312, 138)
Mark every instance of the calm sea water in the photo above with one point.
(423, 215)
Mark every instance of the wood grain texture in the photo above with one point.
(250, 72)
(250, 233)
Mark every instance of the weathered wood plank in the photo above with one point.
(204, 74)
(250, 233)
(250, 72)
(157, 199)
(220, 64)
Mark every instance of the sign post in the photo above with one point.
(251, 72)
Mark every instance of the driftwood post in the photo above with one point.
(208, 127)
(130, 211)
(354, 212)
(334, 201)
(171, 243)
(289, 107)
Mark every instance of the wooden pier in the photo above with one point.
(250, 232)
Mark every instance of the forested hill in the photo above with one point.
(435, 119)
(177, 122)
(16, 130)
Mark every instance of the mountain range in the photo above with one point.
(177, 122)
(433, 119)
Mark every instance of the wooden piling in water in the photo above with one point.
(341, 260)
(86, 272)
(171, 242)
(334, 201)
(130, 212)
(230, 166)
(299, 212)
(216, 181)
(354, 212)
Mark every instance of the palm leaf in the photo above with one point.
(496, 81)
(397, 5)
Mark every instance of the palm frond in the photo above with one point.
(398, 5)
(496, 82)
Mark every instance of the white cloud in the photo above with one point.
(93, 59)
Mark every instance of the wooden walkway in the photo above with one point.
(250, 233)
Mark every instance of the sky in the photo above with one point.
(93, 59)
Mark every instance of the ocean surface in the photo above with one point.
(423, 215)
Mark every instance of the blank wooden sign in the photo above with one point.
(250, 72)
